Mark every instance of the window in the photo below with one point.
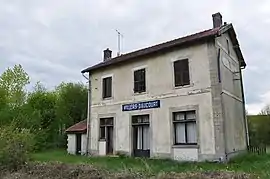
(107, 87)
(139, 81)
(181, 73)
(185, 132)
(104, 124)
(228, 46)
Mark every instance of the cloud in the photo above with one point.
(264, 100)
(55, 40)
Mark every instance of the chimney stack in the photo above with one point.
(107, 54)
(217, 20)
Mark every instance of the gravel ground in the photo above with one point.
(68, 171)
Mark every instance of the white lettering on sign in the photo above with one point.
(141, 105)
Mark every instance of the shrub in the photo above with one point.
(15, 147)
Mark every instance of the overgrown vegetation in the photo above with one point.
(259, 129)
(250, 164)
(38, 115)
(15, 147)
(86, 171)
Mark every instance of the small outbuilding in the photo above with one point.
(76, 138)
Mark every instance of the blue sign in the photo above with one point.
(141, 105)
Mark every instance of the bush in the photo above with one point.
(15, 147)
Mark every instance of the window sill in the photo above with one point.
(184, 86)
(102, 140)
(139, 93)
(186, 146)
(106, 99)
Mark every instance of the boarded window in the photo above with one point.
(185, 128)
(107, 87)
(181, 73)
(139, 81)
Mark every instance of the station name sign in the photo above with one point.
(141, 105)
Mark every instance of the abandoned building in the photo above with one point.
(182, 99)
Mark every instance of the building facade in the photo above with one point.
(182, 99)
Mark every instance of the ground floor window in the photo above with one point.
(104, 124)
(141, 135)
(185, 130)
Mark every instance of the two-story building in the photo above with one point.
(182, 99)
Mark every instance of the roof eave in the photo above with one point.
(188, 42)
(229, 28)
(77, 132)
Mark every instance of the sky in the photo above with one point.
(55, 39)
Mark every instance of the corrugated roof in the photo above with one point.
(80, 127)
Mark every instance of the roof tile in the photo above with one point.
(155, 48)
(80, 127)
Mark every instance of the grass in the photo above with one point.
(256, 164)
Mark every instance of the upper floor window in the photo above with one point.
(139, 81)
(107, 87)
(185, 132)
(181, 73)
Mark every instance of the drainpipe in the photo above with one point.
(222, 104)
(88, 114)
(244, 108)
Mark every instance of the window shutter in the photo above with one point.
(107, 87)
(104, 88)
(181, 73)
(139, 81)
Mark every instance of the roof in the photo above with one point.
(187, 40)
(80, 127)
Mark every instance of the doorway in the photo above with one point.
(141, 136)
(78, 144)
(106, 133)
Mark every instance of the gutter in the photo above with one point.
(88, 115)
(244, 108)
(222, 105)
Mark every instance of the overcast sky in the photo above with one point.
(55, 39)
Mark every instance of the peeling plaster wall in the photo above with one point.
(235, 136)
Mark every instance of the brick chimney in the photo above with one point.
(107, 54)
(217, 20)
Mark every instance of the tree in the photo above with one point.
(3, 98)
(4, 108)
(72, 103)
(265, 110)
(13, 81)
(42, 103)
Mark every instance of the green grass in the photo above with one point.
(257, 164)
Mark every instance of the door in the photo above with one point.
(109, 140)
(141, 136)
(78, 143)
(106, 133)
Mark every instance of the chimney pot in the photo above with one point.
(217, 20)
(107, 54)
